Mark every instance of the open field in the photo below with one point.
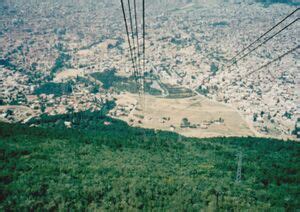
(68, 73)
(167, 114)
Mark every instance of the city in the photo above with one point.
(187, 47)
(161, 105)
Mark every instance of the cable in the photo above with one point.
(138, 49)
(132, 37)
(144, 67)
(127, 32)
(265, 65)
(128, 37)
(144, 47)
(278, 58)
(144, 35)
(135, 57)
(137, 35)
(265, 41)
(264, 34)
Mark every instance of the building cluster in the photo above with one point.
(188, 44)
(196, 50)
(14, 87)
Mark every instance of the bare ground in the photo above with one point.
(167, 114)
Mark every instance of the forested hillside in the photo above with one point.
(103, 163)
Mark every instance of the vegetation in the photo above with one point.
(92, 86)
(33, 75)
(214, 68)
(220, 24)
(152, 91)
(179, 41)
(100, 166)
(202, 90)
(60, 62)
(296, 131)
(178, 92)
(110, 80)
(185, 123)
(9, 65)
(118, 45)
(57, 89)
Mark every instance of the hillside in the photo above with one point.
(102, 163)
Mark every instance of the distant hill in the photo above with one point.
(103, 164)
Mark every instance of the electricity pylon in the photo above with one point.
(239, 168)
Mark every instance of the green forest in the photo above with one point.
(109, 79)
(103, 164)
(58, 89)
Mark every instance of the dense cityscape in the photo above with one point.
(52, 51)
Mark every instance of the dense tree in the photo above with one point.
(94, 166)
